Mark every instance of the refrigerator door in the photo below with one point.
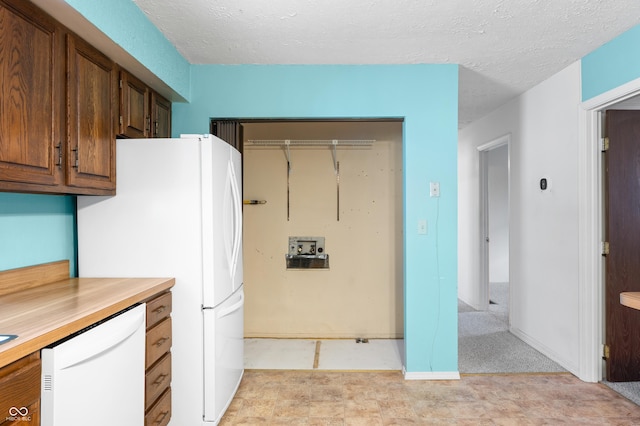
(222, 227)
(223, 355)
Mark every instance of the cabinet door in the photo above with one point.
(31, 100)
(134, 107)
(161, 113)
(92, 101)
(20, 396)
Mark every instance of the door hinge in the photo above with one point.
(604, 144)
(121, 83)
(605, 248)
(121, 120)
(606, 352)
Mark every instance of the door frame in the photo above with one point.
(591, 228)
(483, 154)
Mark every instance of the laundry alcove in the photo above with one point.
(356, 208)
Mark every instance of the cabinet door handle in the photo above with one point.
(160, 417)
(159, 342)
(155, 128)
(59, 148)
(159, 309)
(160, 379)
(75, 162)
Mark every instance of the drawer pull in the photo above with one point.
(159, 309)
(160, 379)
(160, 417)
(159, 342)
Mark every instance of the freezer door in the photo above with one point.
(223, 355)
(222, 221)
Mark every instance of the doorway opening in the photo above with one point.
(494, 210)
(591, 225)
(351, 197)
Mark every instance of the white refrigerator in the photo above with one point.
(177, 213)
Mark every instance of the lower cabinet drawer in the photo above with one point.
(158, 341)
(157, 379)
(160, 413)
(158, 308)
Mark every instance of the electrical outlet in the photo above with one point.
(434, 189)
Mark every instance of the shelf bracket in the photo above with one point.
(287, 151)
(335, 155)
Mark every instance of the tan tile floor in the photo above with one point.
(296, 397)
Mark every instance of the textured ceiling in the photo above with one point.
(504, 47)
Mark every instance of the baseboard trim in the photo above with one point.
(431, 375)
(544, 350)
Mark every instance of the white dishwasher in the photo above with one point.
(96, 377)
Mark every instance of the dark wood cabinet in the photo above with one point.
(58, 103)
(161, 116)
(31, 88)
(62, 105)
(134, 107)
(92, 80)
(143, 112)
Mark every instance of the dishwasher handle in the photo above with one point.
(92, 346)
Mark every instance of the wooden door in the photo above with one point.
(161, 116)
(134, 107)
(622, 228)
(92, 101)
(31, 98)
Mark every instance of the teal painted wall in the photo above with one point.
(36, 229)
(128, 26)
(611, 65)
(426, 96)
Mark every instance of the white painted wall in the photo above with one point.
(543, 123)
(498, 179)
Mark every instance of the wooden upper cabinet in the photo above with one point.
(92, 90)
(161, 116)
(31, 96)
(134, 107)
(61, 110)
(143, 112)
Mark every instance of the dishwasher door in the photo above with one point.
(97, 377)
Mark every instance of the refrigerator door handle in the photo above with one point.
(231, 309)
(237, 219)
(229, 211)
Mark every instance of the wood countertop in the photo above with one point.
(43, 313)
(630, 299)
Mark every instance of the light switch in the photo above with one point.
(422, 227)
